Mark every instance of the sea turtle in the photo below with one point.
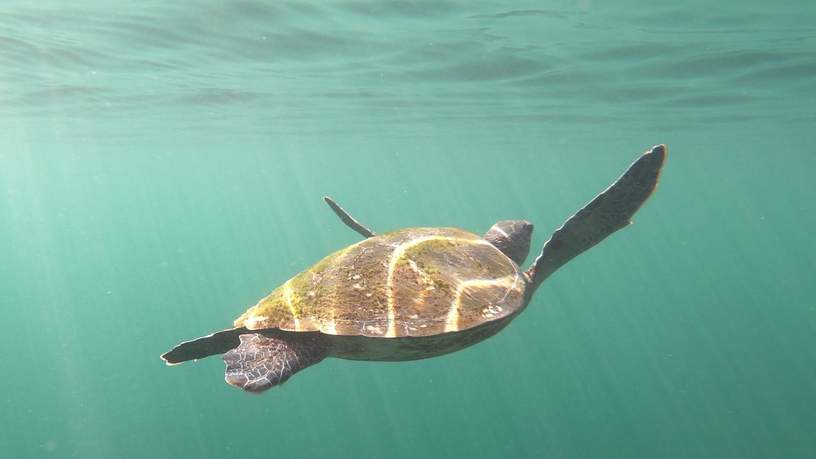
(412, 293)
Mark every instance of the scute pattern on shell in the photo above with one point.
(411, 282)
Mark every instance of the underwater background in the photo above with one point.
(162, 166)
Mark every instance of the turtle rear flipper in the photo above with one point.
(261, 362)
(608, 212)
(215, 343)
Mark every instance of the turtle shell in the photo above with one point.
(411, 282)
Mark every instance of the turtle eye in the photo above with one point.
(512, 237)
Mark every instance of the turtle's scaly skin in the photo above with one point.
(411, 283)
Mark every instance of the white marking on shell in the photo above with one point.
(452, 319)
(491, 311)
(253, 321)
(331, 326)
(393, 261)
(375, 329)
(287, 296)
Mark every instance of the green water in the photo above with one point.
(162, 164)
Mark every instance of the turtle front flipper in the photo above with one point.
(608, 212)
(348, 219)
(261, 362)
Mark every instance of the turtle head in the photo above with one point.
(512, 237)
